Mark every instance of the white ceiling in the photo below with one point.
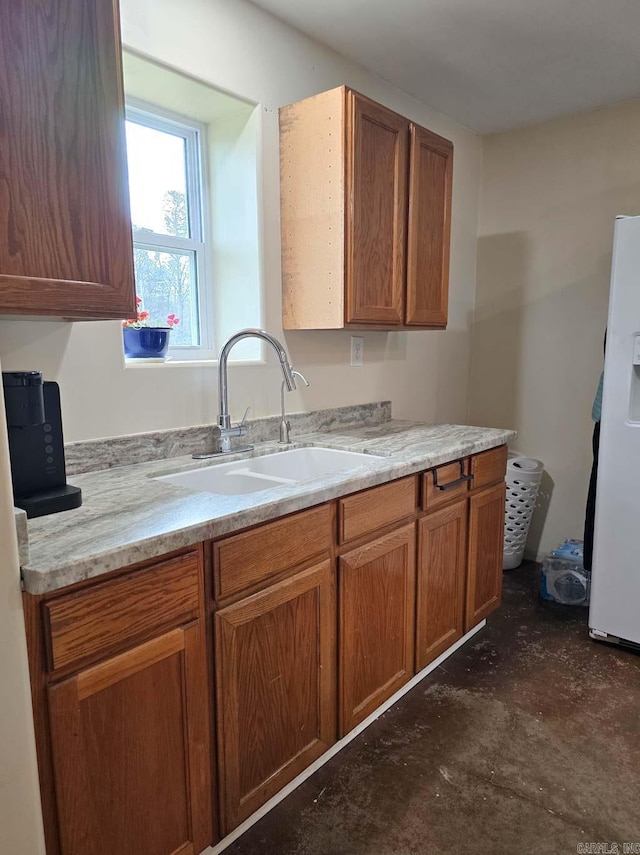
(490, 64)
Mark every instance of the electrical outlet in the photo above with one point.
(357, 350)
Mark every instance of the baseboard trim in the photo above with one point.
(290, 787)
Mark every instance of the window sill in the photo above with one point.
(185, 363)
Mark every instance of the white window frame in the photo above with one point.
(194, 134)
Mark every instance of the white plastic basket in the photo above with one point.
(523, 482)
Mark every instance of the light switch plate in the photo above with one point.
(636, 349)
(357, 350)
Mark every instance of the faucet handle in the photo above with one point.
(301, 376)
(243, 420)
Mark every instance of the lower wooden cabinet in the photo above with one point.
(130, 744)
(376, 623)
(276, 677)
(122, 668)
(442, 570)
(486, 542)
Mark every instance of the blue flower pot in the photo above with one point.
(146, 342)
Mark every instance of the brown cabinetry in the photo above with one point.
(65, 230)
(486, 540)
(429, 232)
(365, 213)
(442, 568)
(131, 751)
(376, 623)
(311, 622)
(376, 228)
(275, 667)
(122, 704)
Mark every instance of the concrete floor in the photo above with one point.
(525, 741)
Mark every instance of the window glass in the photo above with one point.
(167, 283)
(157, 180)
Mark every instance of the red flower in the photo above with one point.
(138, 300)
(142, 316)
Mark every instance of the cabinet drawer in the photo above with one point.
(489, 467)
(366, 512)
(445, 484)
(94, 622)
(244, 560)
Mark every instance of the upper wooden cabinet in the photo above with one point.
(65, 227)
(366, 216)
(429, 233)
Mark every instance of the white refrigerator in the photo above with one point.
(614, 613)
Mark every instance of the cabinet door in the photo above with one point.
(442, 568)
(131, 751)
(431, 168)
(377, 622)
(275, 674)
(376, 222)
(486, 541)
(65, 229)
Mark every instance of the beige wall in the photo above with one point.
(549, 197)
(20, 814)
(237, 47)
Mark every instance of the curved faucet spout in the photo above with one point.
(224, 420)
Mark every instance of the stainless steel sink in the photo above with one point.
(269, 471)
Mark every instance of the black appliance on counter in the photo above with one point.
(36, 446)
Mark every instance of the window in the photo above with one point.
(196, 190)
(167, 192)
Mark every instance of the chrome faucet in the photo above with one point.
(285, 424)
(224, 430)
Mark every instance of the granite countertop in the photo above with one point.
(128, 517)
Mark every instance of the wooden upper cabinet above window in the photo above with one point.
(365, 212)
(65, 228)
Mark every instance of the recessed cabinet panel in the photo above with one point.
(486, 542)
(65, 227)
(367, 512)
(431, 168)
(377, 182)
(275, 669)
(489, 466)
(442, 567)
(130, 750)
(376, 620)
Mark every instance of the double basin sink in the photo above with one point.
(271, 470)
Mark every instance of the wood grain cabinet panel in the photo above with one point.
(445, 484)
(251, 558)
(364, 513)
(489, 467)
(376, 624)
(486, 542)
(275, 673)
(377, 186)
(92, 623)
(429, 231)
(65, 227)
(131, 751)
(442, 568)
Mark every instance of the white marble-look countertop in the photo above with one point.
(127, 516)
